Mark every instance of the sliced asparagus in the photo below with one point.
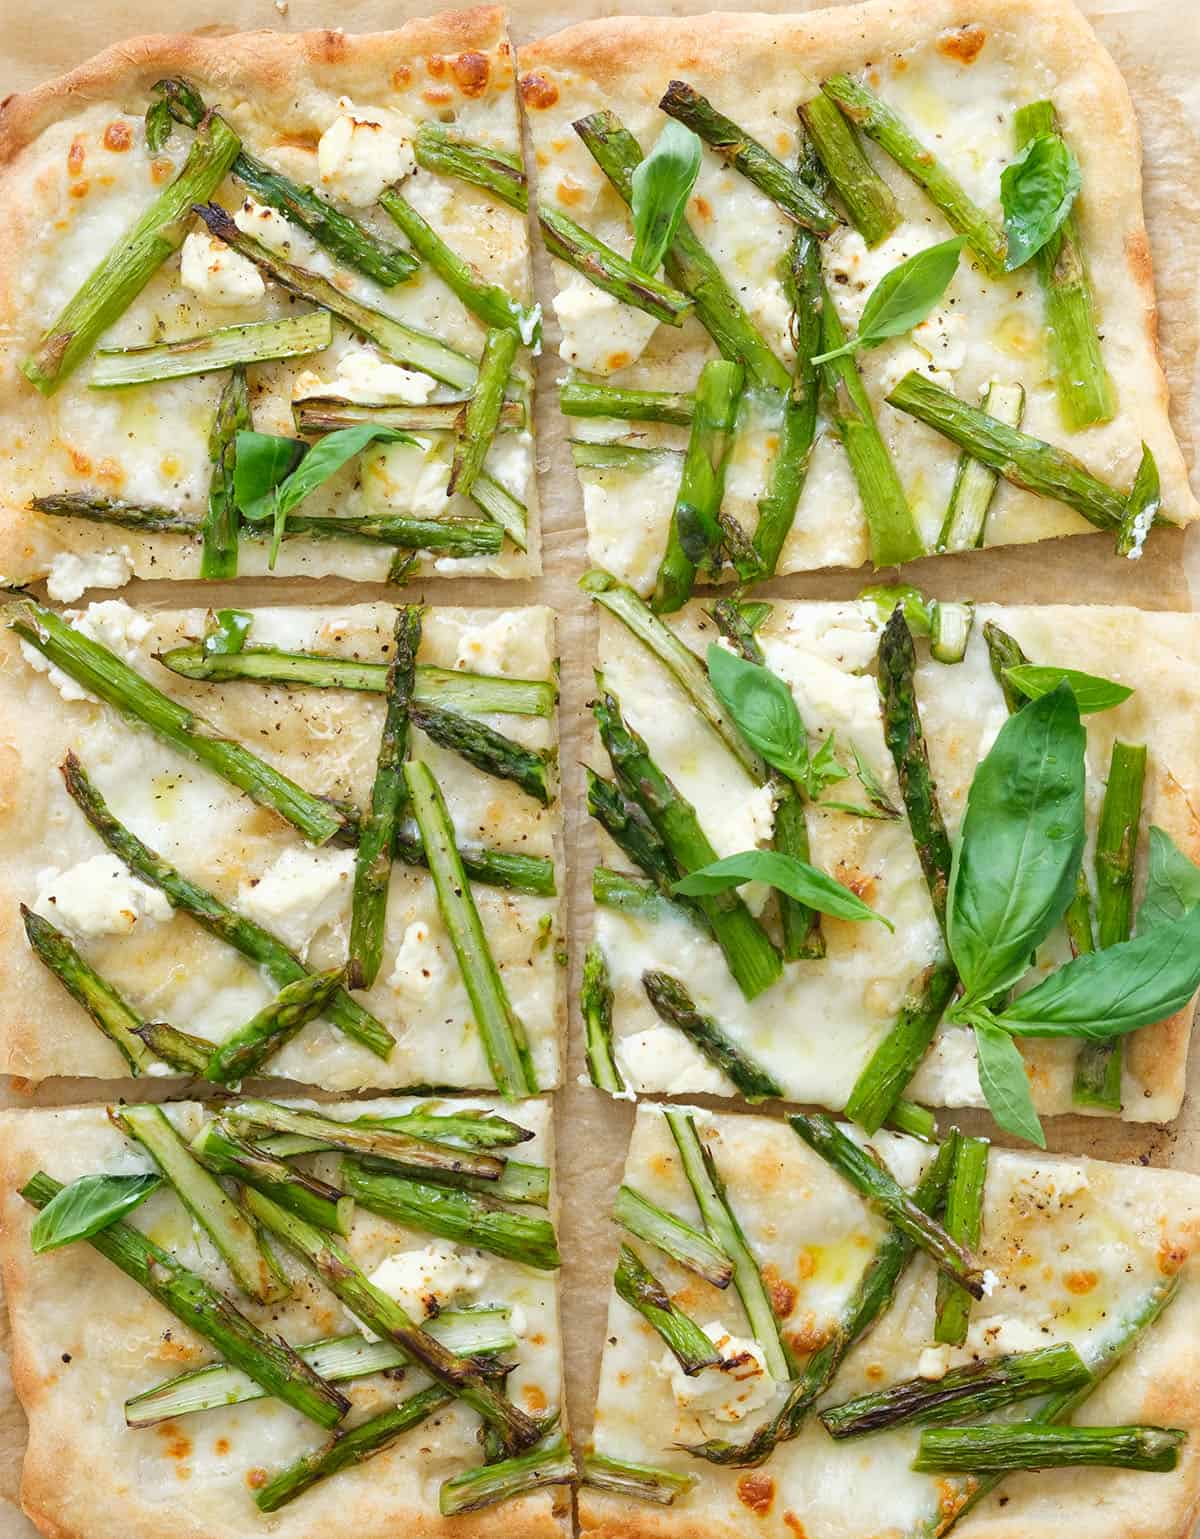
(132, 261)
(482, 415)
(964, 1223)
(1141, 507)
(892, 134)
(739, 149)
(982, 1450)
(867, 198)
(974, 482)
(486, 749)
(644, 1482)
(465, 1129)
(316, 414)
(182, 1050)
(950, 630)
(272, 1364)
(634, 895)
(631, 830)
(250, 342)
(896, 1059)
(549, 1465)
(916, 1121)
(219, 1147)
(637, 1285)
(219, 553)
(494, 170)
(673, 1237)
(533, 874)
(584, 398)
(246, 1050)
(596, 1006)
(674, 1005)
(609, 270)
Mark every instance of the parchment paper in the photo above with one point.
(1157, 45)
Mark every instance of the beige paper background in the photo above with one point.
(1157, 45)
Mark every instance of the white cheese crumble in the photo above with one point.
(943, 336)
(599, 333)
(303, 892)
(949, 1074)
(1142, 526)
(420, 966)
(662, 1055)
(357, 156)
(415, 477)
(486, 648)
(529, 325)
(98, 897)
(362, 375)
(729, 1393)
(217, 274)
(269, 226)
(933, 1363)
(508, 462)
(72, 575)
(425, 1281)
(113, 623)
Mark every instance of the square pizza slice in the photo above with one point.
(864, 289)
(319, 239)
(963, 827)
(320, 844)
(791, 1350)
(231, 1329)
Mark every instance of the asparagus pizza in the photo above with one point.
(803, 261)
(267, 307)
(347, 1328)
(957, 842)
(308, 843)
(809, 1338)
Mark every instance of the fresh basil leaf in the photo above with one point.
(1106, 993)
(903, 297)
(1005, 1084)
(1019, 850)
(1172, 884)
(261, 461)
(227, 630)
(1091, 693)
(87, 1206)
(756, 613)
(158, 125)
(872, 785)
(1036, 193)
(762, 709)
(824, 769)
(918, 610)
(1141, 507)
(662, 184)
(806, 884)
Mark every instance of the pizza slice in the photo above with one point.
(819, 1339)
(249, 288)
(284, 1331)
(810, 268)
(883, 852)
(300, 842)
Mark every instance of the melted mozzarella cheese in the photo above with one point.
(663, 1055)
(363, 375)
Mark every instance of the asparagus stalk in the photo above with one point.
(517, 1182)
(116, 1018)
(473, 1332)
(870, 1299)
(317, 414)
(596, 1006)
(549, 1465)
(122, 687)
(916, 1121)
(892, 134)
(631, 830)
(272, 1364)
(883, 1194)
(721, 1224)
(1025, 461)
(493, 170)
(147, 518)
(643, 1482)
(641, 1290)
(981, 1450)
(246, 937)
(975, 1390)
(893, 532)
(464, 1129)
(867, 198)
(229, 346)
(343, 237)
(246, 1050)
(609, 270)
(749, 954)
(694, 540)
(377, 832)
(179, 1049)
(1141, 508)
(482, 415)
(756, 163)
(584, 398)
(219, 1147)
(403, 344)
(533, 874)
(1098, 1066)
(687, 264)
(346, 1449)
(634, 895)
(964, 1223)
(132, 261)
(330, 1261)
(219, 554)
(454, 1215)
(673, 1237)
(974, 482)
(234, 1236)
(950, 631)
(1085, 392)
(494, 306)
(499, 1025)
(675, 1006)
(502, 508)
(896, 1059)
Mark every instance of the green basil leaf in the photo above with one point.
(662, 184)
(87, 1206)
(261, 461)
(158, 125)
(1091, 692)
(918, 610)
(1019, 850)
(1005, 1084)
(806, 884)
(1172, 884)
(824, 769)
(1141, 508)
(1106, 993)
(872, 785)
(1036, 193)
(762, 709)
(227, 630)
(903, 297)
